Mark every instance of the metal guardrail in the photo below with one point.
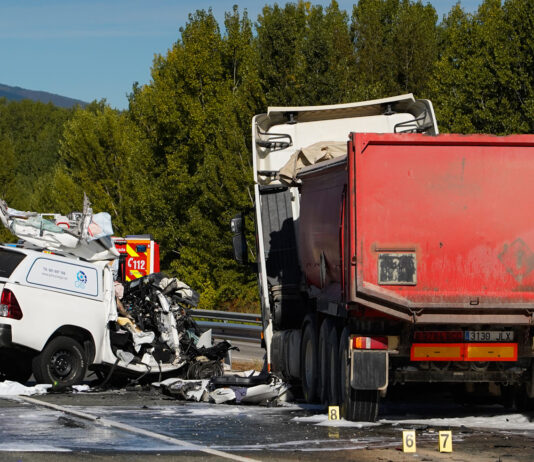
(245, 327)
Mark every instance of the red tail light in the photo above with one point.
(9, 306)
(370, 343)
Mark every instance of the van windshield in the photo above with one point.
(9, 260)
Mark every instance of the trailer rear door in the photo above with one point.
(444, 225)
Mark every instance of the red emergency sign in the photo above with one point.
(142, 255)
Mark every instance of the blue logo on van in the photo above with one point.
(81, 280)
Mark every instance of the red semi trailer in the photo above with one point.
(396, 256)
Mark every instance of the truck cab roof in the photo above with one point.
(284, 130)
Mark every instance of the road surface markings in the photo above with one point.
(139, 431)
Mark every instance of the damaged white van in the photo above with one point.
(59, 317)
(54, 313)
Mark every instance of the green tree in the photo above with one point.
(329, 60)
(280, 34)
(102, 154)
(305, 54)
(396, 46)
(484, 77)
(7, 179)
(193, 114)
(34, 130)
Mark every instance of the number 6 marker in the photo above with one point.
(408, 441)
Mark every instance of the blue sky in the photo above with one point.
(94, 49)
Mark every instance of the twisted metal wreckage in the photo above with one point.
(153, 326)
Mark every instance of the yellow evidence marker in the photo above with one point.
(408, 441)
(333, 412)
(445, 441)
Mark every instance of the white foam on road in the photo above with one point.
(9, 388)
(322, 421)
(28, 447)
(505, 422)
(494, 421)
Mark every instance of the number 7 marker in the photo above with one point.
(445, 441)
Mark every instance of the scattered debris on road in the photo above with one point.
(250, 387)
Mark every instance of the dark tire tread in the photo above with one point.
(41, 363)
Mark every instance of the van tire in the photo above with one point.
(62, 363)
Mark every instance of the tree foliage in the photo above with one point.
(193, 114)
(396, 46)
(484, 76)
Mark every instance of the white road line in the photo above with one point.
(139, 431)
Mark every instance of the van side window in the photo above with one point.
(9, 260)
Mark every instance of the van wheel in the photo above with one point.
(61, 363)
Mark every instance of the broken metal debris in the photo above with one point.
(249, 387)
(159, 329)
(82, 234)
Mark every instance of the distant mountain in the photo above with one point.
(18, 94)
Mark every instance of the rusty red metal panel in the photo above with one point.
(320, 219)
(443, 222)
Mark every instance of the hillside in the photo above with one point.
(18, 94)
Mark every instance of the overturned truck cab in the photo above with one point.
(388, 253)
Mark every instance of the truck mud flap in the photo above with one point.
(369, 370)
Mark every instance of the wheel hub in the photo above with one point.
(61, 364)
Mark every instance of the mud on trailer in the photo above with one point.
(388, 253)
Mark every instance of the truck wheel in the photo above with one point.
(15, 367)
(324, 364)
(334, 364)
(356, 405)
(308, 363)
(61, 363)
(525, 398)
(364, 405)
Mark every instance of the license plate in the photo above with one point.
(488, 336)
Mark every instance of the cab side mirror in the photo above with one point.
(237, 226)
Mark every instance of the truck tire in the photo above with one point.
(356, 405)
(334, 364)
(324, 364)
(279, 355)
(293, 354)
(308, 363)
(61, 363)
(15, 367)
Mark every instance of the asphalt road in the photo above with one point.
(32, 432)
(248, 352)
